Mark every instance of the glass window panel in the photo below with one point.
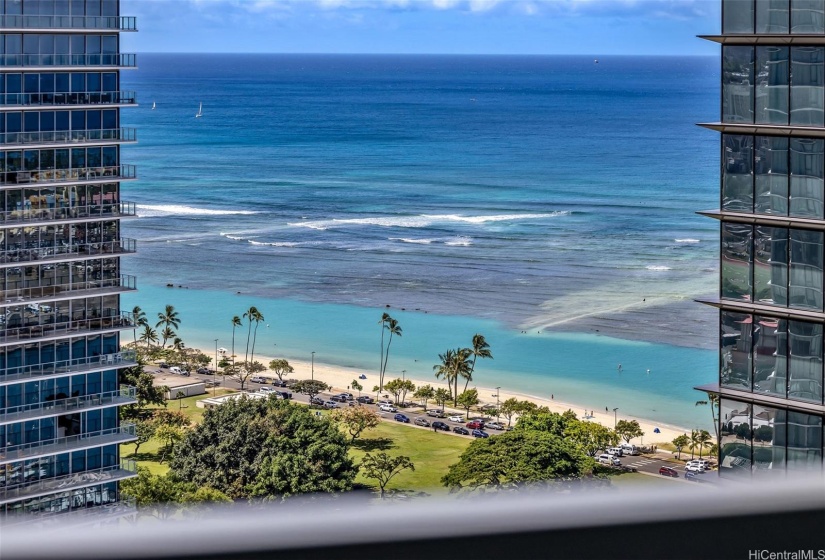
(737, 16)
(805, 364)
(770, 271)
(807, 86)
(31, 121)
(737, 180)
(736, 260)
(109, 81)
(31, 83)
(737, 84)
(771, 175)
(768, 442)
(62, 82)
(770, 357)
(772, 79)
(805, 269)
(808, 16)
(735, 331)
(109, 119)
(807, 187)
(804, 441)
(734, 439)
(93, 81)
(772, 16)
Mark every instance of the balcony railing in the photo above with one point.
(60, 252)
(25, 490)
(111, 319)
(126, 358)
(66, 136)
(28, 215)
(108, 173)
(84, 98)
(21, 296)
(68, 60)
(121, 434)
(113, 23)
(124, 395)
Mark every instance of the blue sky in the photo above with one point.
(593, 27)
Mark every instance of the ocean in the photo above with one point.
(545, 202)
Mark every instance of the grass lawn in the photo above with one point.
(631, 480)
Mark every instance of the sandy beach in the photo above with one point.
(340, 378)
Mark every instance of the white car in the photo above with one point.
(694, 466)
(456, 418)
(384, 407)
(258, 379)
(494, 425)
(266, 390)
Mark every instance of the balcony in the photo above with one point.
(61, 138)
(50, 328)
(48, 61)
(62, 517)
(67, 23)
(29, 216)
(17, 101)
(25, 296)
(62, 368)
(121, 397)
(123, 434)
(27, 490)
(106, 174)
(68, 251)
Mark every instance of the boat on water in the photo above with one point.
(200, 111)
(153, 105)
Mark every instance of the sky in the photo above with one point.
(591, 27)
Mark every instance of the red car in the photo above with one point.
(475, 425)
(668, 471)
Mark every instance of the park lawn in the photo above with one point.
(431, 453)
(631, 480)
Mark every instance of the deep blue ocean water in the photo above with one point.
(498, 194)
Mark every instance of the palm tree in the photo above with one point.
(393, 327)
(177, 344)
(148, 335)
(167, 334)
(169, 318)
(694, 441)
(713, 400)
(257, 317)
(444, 370)
(249, 314)
(140, 320)
(383, 322)
(704, 440)
(236, 322)
(454, 364)
(480, 349)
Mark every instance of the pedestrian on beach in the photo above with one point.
(551, 397)
(605, 409)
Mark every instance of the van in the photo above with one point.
(629, 449)
(387, 408)
(612, 460)
(176, 370)
(617, 451)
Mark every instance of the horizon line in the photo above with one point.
(432, 54)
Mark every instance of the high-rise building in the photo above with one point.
(60, 249)
(772, 220)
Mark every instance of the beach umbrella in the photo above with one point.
(657, 431)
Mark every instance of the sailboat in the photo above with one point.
(200, 111)
(153, 105)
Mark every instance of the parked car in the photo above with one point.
(331, 404)
(421, 422)
(386, 402)
(480, 434)
(286, 395)
(435, 413)
(338, 398)
(266, 390)
(402, 418)
(164, 365)
(317, 401)
(254, 379)
(279, 383)
(617, 451)
(494, 425)
(704, 464)
(387, 408)
(461, 430)
(690, 466)
(690, 475)
(364, 399)
(475, 425)
(205, 371)
(668, 471)
(607, 459)
(441, 426)
(456, 418)
(349, 396)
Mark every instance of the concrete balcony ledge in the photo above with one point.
(28, 490)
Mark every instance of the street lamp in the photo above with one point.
(403, 375)
(614, 417)
(215, 387)
(313, 366)
(497, 406)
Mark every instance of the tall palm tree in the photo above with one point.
(383, 322)
(257, 317)
(454, 364)
(169, 318)
(695, 436)
(443, 370)
(394, 329)
(140, 320)
(461, 368)
(236, 322)
(249, 314)
(704, 439)
(480, 349)
(713, 401)
(148, 335)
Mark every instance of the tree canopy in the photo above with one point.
(629, 429)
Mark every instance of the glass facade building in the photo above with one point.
(772, 238)
(60, 249)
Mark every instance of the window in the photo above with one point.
(805, 364)
(737, 259)
(807, 91)
(737, 84)
(735, 346)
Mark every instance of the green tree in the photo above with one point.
(146, 393)
(163, 496)
(140, 321)
(713, 401)
(516, 458)
(704, 439)
(694, 441)
(310, 387)
(424, 394)
(246, 370)
(236, 322)
(590, 436)
(166, 334)
(392, 326)
(170, 436)
(468, 399)
(441, 397)
(480, 349)
(280, 368)
(382, 468)
(394, 388)
(144, 431)
(356, 386)
(454, 364)
(356, 419)
(170, 320)
(266, 449)
(149, 335)
(680, 442)
(629, 429)
(253, 314)
(508, 409)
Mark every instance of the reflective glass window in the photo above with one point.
(805, 269)
(805, 364)
(808, 16)
(737, 16)
(771, 175)
(735, 344)
(772, 79)
(807, 86)
(737, 84)
(807, 186)
(734, 439)
(737, 180)
(804, 442)
(770, 271)
(772, 16)
(770, 357)
(737, 247)
(768, 427)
